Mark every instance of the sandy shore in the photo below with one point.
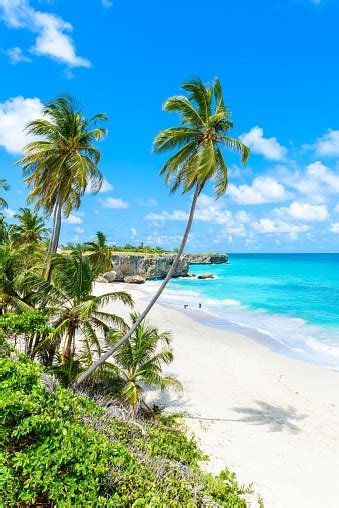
(271, 419)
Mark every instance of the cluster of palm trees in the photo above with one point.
(58, 167)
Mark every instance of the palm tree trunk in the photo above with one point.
(51, 240)
(55, 240)
(142, 316)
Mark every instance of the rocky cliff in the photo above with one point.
(139, 267)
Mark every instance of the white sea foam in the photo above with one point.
(293, 335)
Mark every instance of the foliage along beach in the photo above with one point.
(110, 398)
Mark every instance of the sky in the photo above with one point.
(277, 61)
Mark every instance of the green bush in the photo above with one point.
(60, 448)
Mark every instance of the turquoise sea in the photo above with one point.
(291, 301)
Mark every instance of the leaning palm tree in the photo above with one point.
(203, 133)
(63, 163)
(139, 362)
(30, 228)
(99, 253)
(74, 311)
(3, 186)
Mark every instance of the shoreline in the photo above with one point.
(272, 419)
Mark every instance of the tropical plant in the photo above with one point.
(204, 131)
(3, 228)
(99, 253)
(63, 163)
(139, 362)
(75, 313)
(30, 229)
(14, 289)
(3, 186)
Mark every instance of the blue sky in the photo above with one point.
(278, 63)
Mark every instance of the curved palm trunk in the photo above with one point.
(51, 240)
(55, 240)
(142, 316)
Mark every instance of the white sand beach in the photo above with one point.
(271, 419)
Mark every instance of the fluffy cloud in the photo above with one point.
(317, 181)
(268, 226)
(147, 202)
(113, 203)
(208, 210)
(304, 211)
(79, 230)
(328, 144)
(73, 219)
(334, 227)
(52, 40)
(9, 213)
(16, 55)
(263, 190)
(270, 148)
(14, 115)
(107, 3)
(134, 232)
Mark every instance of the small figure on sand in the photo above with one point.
(200, 305)
(185, 306)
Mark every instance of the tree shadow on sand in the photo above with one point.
(277, 418)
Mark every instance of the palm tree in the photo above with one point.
(14, 289)
(31, 228)
(199, 139)
(139, 362)
(3, 186)
(100, 253)
(74, 311)
(63, 163)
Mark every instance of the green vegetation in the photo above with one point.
(107, 447)
(64, 450)
(63, 163)
(203, 131)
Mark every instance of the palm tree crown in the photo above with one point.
(139, 361)
(30, 229)
(3, 186)
(99, 253)
(203, 133)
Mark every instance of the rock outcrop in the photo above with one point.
(206, 259)
(206, 276)
(136, 268)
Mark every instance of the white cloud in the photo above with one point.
(134, 232)
(51, 39)
(73, 219)
(334, 227)
(113, 203)
(164, 215)
(9, 213)
(243, 216)
(328, 144)
(79, 230)
(107, 3)
(336, 209)
(14, 115)
(264, 189)
(106, 186)
(147, 202)
(304, 211)
(208, 210)
(267, 226)
(317, 182)
(270, 148)
(16, 55)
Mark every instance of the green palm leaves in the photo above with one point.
(140, 360)
(30, 228)
(3, 186)
(61, 165)
(99, 253)
(199, 140)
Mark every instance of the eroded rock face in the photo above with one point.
(146, 266)
(206, 276)
(136, 268)
(206, 259)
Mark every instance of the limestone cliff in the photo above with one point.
(127, 267)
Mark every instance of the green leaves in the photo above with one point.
(205, 125)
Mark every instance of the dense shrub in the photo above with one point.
(60, 448)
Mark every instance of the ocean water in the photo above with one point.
(289, 300)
